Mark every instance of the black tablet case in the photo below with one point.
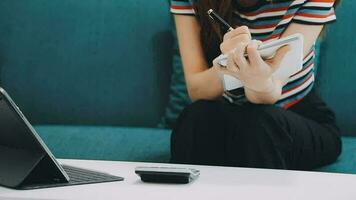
(23, 162)
(20, 169)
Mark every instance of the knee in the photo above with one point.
(263, 122)
(195, 119)
(202, 110)
(195, 131)
(262, 138)
(264, 114)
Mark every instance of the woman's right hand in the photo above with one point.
(233, 38)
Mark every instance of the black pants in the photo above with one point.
(263, 136)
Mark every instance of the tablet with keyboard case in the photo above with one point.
(25, 160)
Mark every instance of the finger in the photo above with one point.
(228, 72)
(231, 44)
(231, 65)
(277, 59)
(238, 31)
(241, 38)
(254, 56)
(239, 55)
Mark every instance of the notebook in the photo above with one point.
(290, 65)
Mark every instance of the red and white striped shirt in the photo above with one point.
(268, 21)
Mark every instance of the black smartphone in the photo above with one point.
(167, 174)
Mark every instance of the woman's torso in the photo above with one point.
(268, 21)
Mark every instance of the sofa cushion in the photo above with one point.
(107, 143)
(140, 144)
(347, 161)
(93, 62)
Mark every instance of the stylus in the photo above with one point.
(214, 16)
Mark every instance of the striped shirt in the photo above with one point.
(268, 21)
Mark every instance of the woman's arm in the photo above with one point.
(203, 81)
(310, 33)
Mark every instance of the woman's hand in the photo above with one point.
(231, 39)
(253, 71)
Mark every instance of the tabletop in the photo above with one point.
(213, 183)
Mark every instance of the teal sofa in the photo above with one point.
(93, 76)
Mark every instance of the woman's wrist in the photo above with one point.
(260, 86)
(270, 95)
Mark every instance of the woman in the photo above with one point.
(283, 124)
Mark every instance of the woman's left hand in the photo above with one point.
(253, 71)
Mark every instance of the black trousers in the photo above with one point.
(262, 136)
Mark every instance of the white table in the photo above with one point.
(216, 183)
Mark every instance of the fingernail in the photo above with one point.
(255, 42)
(258, 42)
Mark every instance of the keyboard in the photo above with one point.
(78, 176)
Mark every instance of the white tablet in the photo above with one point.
(291, 63)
